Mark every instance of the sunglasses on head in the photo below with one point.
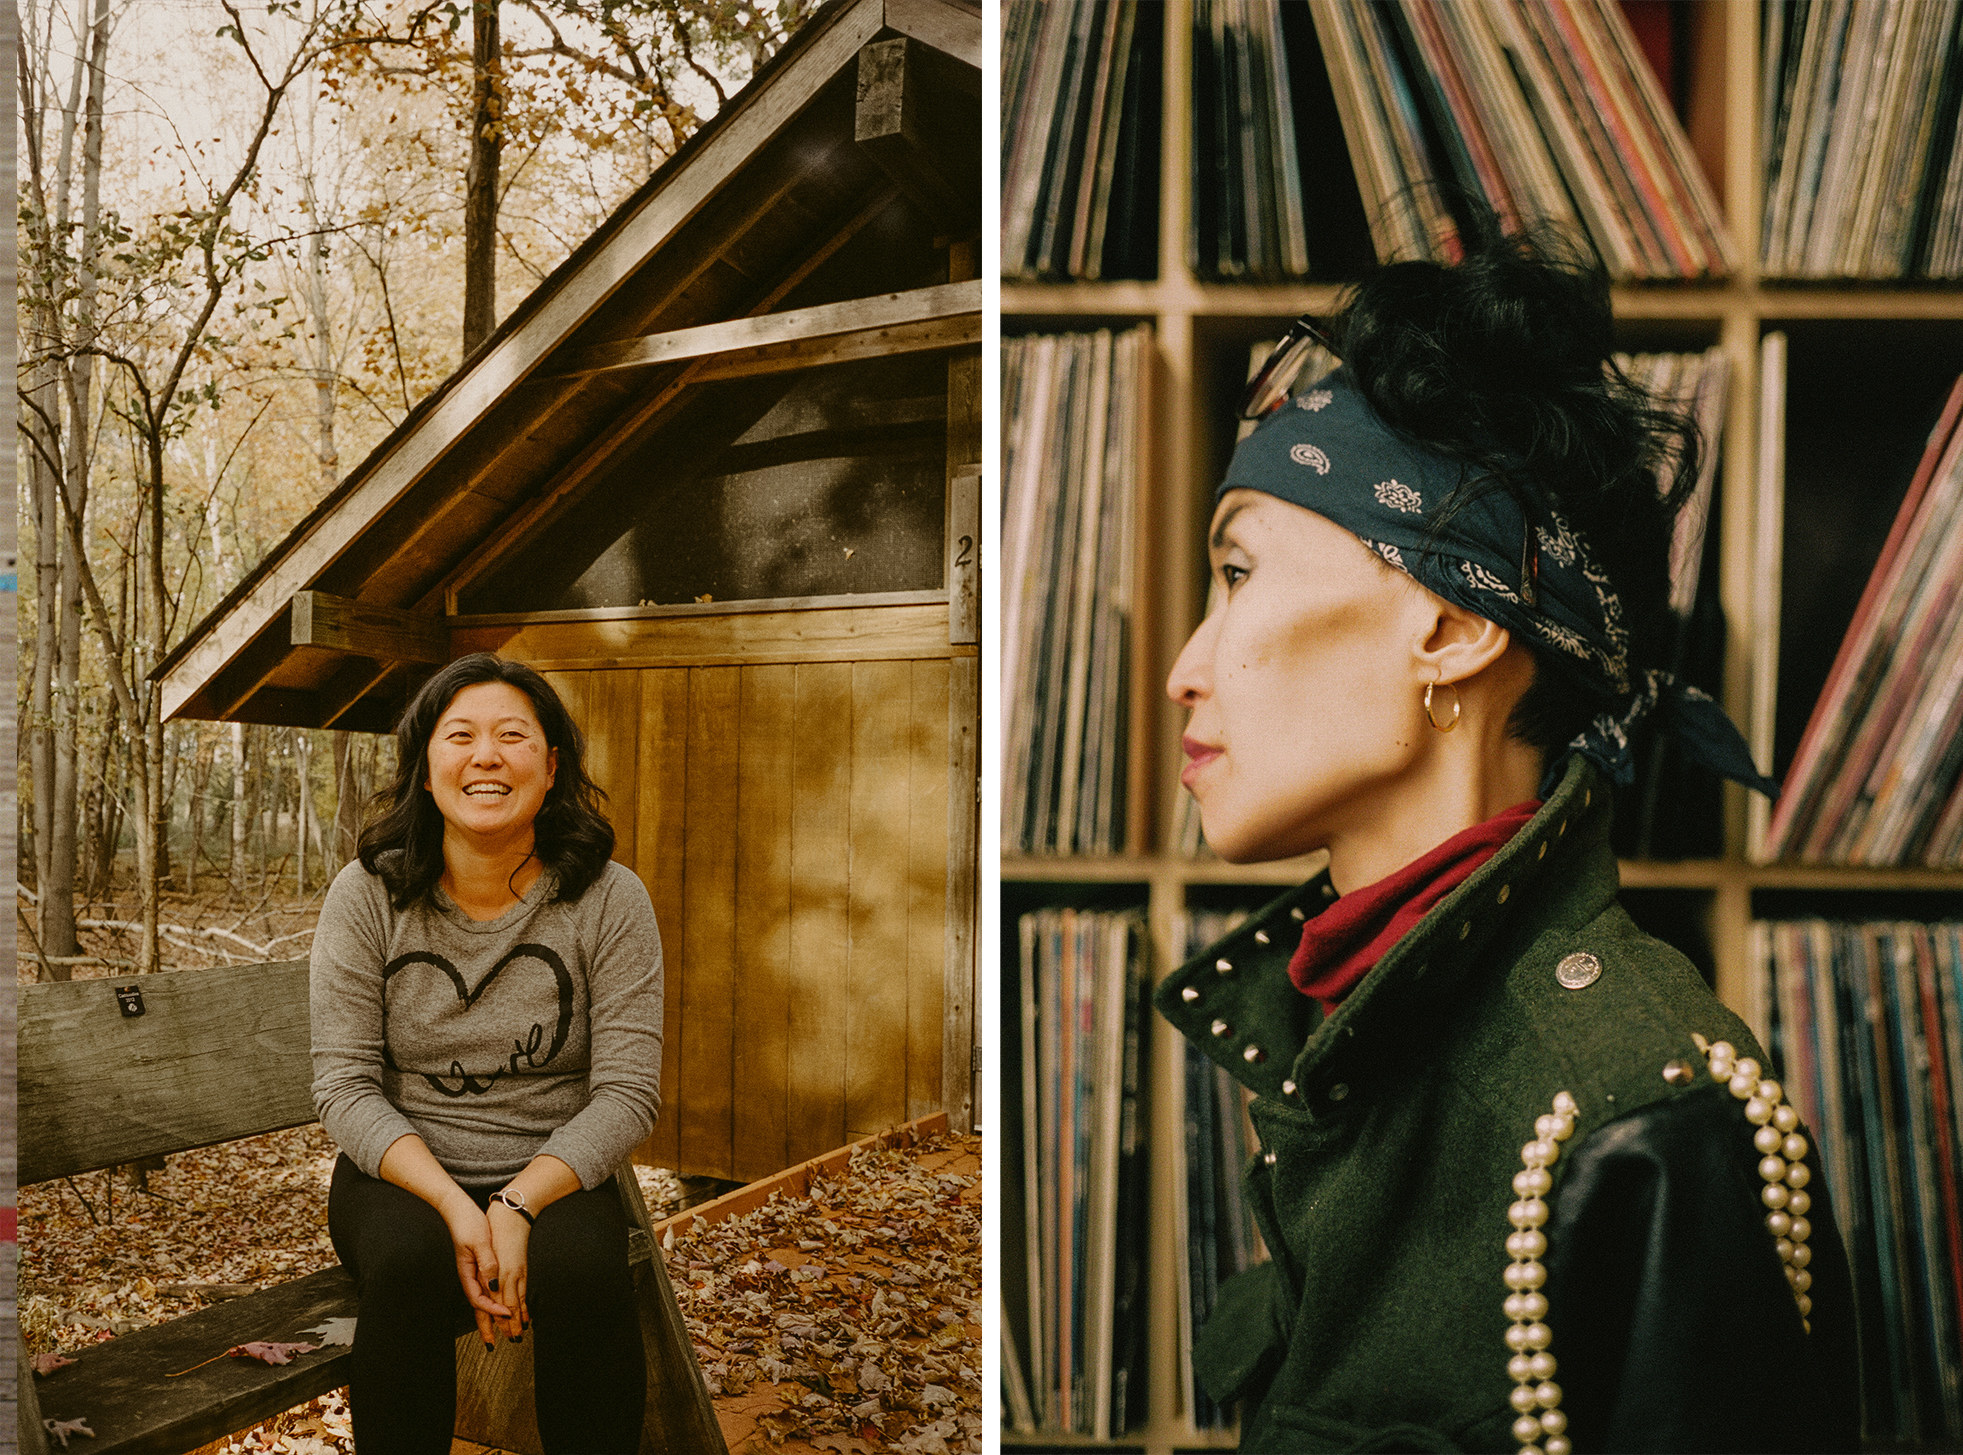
(1272, 383)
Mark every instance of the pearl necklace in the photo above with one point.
(1536, 1396)
(1542, 1424)
(1782, 1168)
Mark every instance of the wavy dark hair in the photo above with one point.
(1505, 360)
(403, 840)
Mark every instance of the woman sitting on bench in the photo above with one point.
(486, 991)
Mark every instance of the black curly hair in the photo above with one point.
(403, 843)
(1505, 361)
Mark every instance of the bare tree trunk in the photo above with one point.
(480, 207)
(102, 823)
(300, 815)
(326, 380)
(58, 893)
(50, 198)
(200, 786)
(347, 800)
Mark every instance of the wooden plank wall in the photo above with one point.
(790, 822)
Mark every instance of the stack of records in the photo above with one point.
(1867, 1034)
(1878, 777)
(1216, 1226)
(1863, 155)
(1273, 198)
(1073, 415)
(1546, 109)
(1080, 138)
(1696, 385)
(1674, 810)
(1076, 1360)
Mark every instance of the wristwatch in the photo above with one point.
(513, 1199)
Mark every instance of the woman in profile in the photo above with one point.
(486, 993)
(1526, 1184)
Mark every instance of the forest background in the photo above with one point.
(251, 238)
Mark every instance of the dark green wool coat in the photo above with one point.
(1391, 1135)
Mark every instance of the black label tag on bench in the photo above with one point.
(130, 998)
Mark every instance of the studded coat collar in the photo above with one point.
(1236, 1002)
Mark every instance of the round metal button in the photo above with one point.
(1579, 970)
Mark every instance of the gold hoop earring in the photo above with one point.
(1443, 727)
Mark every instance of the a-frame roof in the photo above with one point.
(737, 257)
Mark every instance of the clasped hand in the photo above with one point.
(491, 1264)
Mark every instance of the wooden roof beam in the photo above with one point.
(358, 629)
(924, 138)
(946, 315)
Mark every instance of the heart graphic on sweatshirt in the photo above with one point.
(525, 1048)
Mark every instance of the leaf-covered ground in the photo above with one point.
(848, 1318)
(844, 1321)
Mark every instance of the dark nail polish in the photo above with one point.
(494, 1285)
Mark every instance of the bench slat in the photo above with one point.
(121, 1389)
(216, 1055)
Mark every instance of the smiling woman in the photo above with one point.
(487, 999)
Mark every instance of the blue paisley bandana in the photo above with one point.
(1327, 451)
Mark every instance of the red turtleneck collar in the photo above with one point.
(1340, 945)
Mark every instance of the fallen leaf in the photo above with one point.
(62, 1429)
(334, 1331)
(265, 1353)
(49, 1363)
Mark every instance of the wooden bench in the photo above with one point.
(206, 1056)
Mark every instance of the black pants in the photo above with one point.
(590, 1375)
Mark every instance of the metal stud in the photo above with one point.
(1297, 914)
(1223, 966)
(1189, 995)
(1678, 1073)
(1338, 1091)
(1578, 971)
(1268, 1158)
(1261, 937)
(1541, 852)
(1254, 1055)
(1221, 1028)
(1506, 891)
(1328, 891)
(1465, 929)
(1288, 1088)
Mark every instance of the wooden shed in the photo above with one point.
(718, 478)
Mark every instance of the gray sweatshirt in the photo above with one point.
(538, 1031)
